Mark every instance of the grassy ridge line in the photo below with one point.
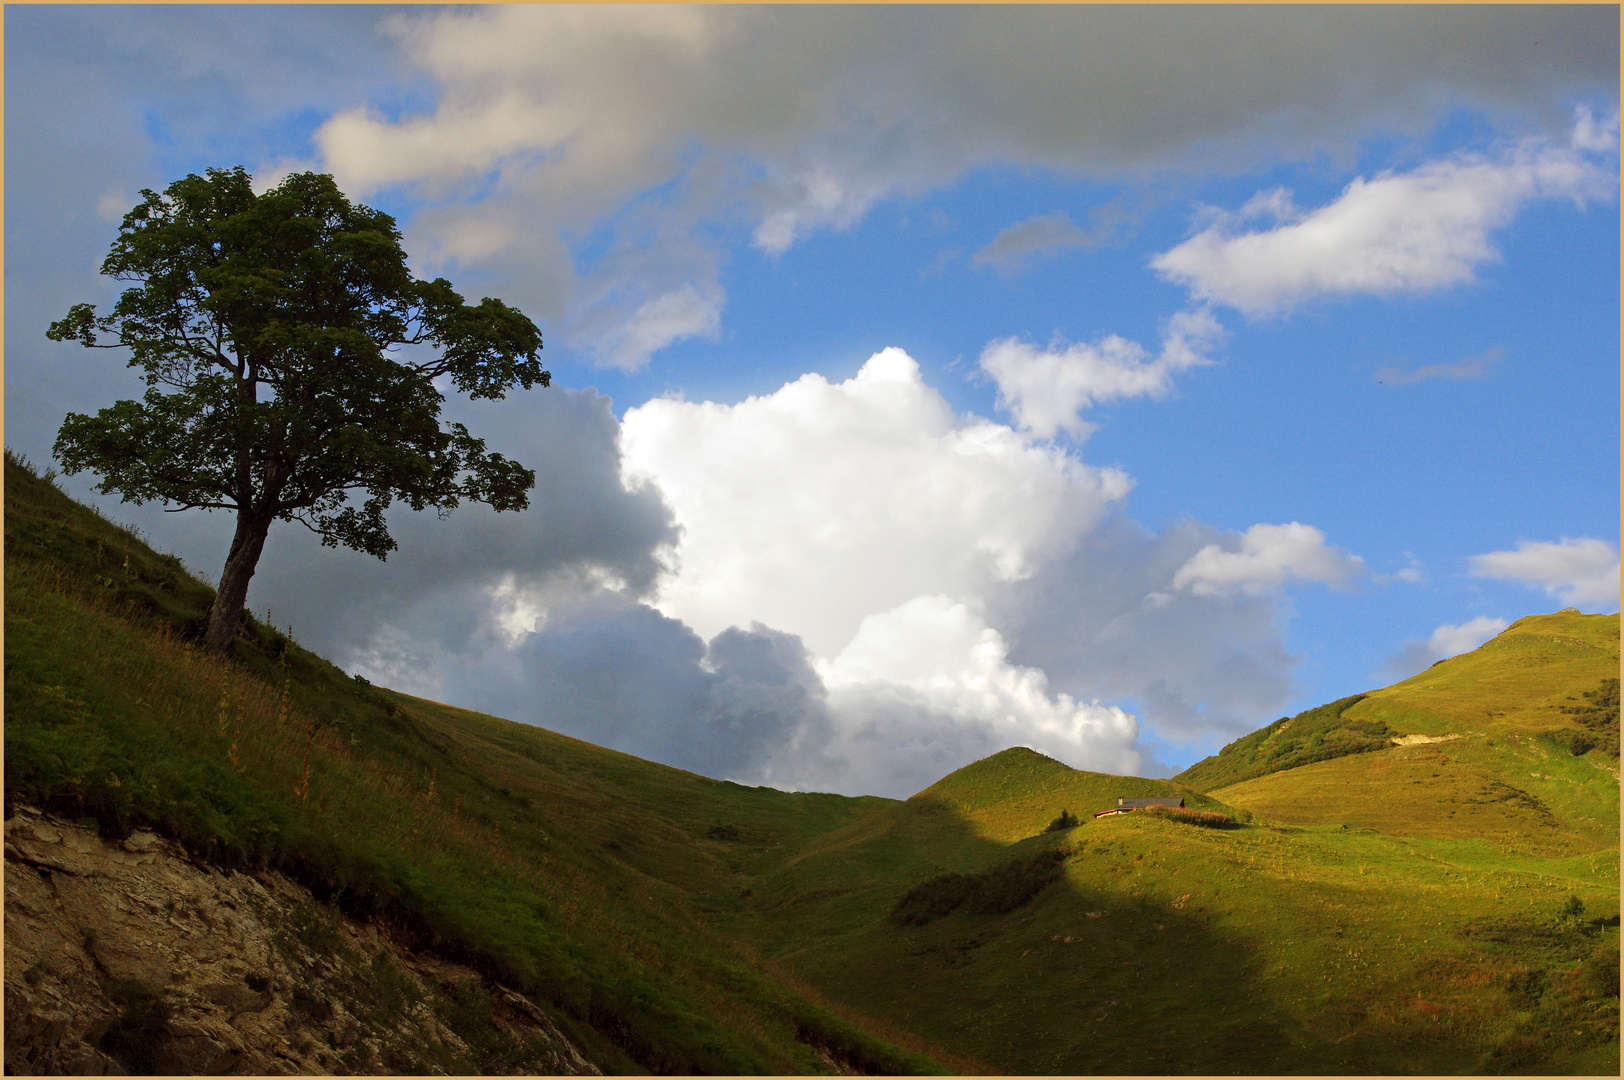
(1520, 681)
(1277, 947)
(1524, 680)
(503, 845)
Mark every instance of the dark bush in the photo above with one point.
(1066, 820)
(1577, 741)
(1599, 975)
(1600, 716)
(992, 892)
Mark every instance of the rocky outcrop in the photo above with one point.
(129, 957)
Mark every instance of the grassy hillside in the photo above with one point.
(1551, 676)
(1444, 904)
(1317, 734)
(578, 875)
(1379, 906)
(1485, 748)
(1519, 683)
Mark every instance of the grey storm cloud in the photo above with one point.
(583, 531)
(800, 119)
(747, 706)
(1106, 621)
(524, 126)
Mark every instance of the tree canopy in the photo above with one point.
(292, 360)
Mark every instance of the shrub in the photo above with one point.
(1066, 820)
(1600, 716)
(992, 892)
(1576, 741)
(1599, 975)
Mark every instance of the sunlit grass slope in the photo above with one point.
(1485, 749)
(1531, 679)
(1391, 909)
(1440, 906)
(578, 875)
(1520, 682)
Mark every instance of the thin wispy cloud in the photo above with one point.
(1472, 367)
(1047, 234)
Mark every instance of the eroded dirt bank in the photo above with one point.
(131, 957)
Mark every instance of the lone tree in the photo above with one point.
(270, 330)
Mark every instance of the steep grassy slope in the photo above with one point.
(1519, 683)
(1317, 734)
(1485, 749)
(1555, 676)
(1405, 909)
(1393, 909)
(573, 873)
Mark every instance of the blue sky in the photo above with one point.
(1106, 380)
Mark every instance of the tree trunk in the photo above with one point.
(225, 617)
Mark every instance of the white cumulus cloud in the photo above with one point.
(927, 687)
(1047, 389)
(1446, 641)
(1582, 572)
(1450, 640)
(959, 585)
(1396, 232)
(816, 506)
(1267, 557)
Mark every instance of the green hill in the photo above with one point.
(1389, 901)
(578, 875)
(1443, 903)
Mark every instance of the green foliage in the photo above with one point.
(1598, 978)
(1599, 715)
(266, 328)
(1066, 820)
(996, 891)
(300, 294)
(1319, 734)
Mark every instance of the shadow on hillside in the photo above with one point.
(1120, 965)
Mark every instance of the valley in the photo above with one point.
(1422, 879)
